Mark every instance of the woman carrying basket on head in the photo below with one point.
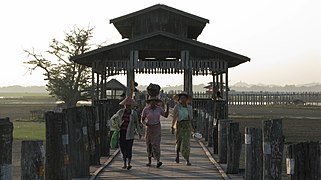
(151, 119)
(183, 117)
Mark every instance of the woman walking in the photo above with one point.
(126, 122)
(151, 119)
(182, 117)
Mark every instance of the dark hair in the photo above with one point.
(179, 97)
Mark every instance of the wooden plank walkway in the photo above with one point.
(201, 167)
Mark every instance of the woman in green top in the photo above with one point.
(182, 117)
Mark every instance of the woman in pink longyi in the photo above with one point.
(151, 119)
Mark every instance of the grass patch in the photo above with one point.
(16, 98)
(20, 95)
(29, 130)
(294, 130)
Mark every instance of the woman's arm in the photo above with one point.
(136, 123)
(143, 117)
(175, 114)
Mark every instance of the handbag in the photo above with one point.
(114, 139)
(115, 122)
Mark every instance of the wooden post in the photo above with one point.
(234, 147)
(92, 88)
(206, 124)
(217, 82)
(102, 112)
(98, 127)
(219, 114)
(213, 86)
(105, 81)
(222, 140)
(199, 120)
(65, 140)
(188, 75)
(131, 73)
(107, 113)
(97, 85)
(273, 145)
(215, 135)
(32, 160)
(195, 120)
(226, 92)
(221, 84)
(303, 161)
(78, 142)
(210, 131)
(57, 143)
(92, 136)
(103, 84)
(199, 123)
(253, 154)
(219, 109)
(203, 122)
(6, 129)
(199, 116)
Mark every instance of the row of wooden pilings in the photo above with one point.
(6, 137)
(264, 147)
(32, 154)
(71, 143)
(75, 139)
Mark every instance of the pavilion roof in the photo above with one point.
(160, 42)
(125, 24)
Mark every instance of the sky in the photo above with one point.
(282, 37)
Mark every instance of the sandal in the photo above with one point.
(177, 160)
(159, 164)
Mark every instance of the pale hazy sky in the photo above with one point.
(282, 37)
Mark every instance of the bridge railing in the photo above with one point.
(264, 98)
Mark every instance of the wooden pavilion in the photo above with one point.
(159, 40)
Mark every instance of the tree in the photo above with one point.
(66, 80)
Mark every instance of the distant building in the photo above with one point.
(218, 87)
(115, 89)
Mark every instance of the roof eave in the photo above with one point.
(159, 6)
(243, 59)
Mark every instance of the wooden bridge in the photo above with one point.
(203, 166)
